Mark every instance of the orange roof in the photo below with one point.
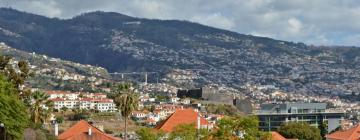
(86, 99)
(350, 134)
(181, 116)
(80, 132)
(57, 99)
(277, 136)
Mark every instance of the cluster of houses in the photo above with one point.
(165, 115)
(152, 112)
(86, 131)
(79, 100)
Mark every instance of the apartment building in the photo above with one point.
(272, 115)
(79, 100)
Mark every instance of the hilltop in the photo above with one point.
(56, 74)
(122, 43)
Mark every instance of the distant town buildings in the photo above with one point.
(78, 100)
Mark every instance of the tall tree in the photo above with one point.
(9, 70)
(189, 132)
(239, 127)
(13, 112)
(323, 128)
(225, 129)
(249, 125)
(41, 107)
(126, 102)
(300, 130)
(124, 88)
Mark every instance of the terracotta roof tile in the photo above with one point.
(350, 134)
(57, 99)
(80, 132)
(277, 136)
(181, 116)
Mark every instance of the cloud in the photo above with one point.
(325, 22)
(216, 20)
(294, 26)
(48, 8)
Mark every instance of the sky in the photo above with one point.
(317, 22)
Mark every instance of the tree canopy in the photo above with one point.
(228, 128)
(189, 132)
(239, 127)
(149, 134)
(13, 112)
(41, 107)
(126, 101)
(300, 130)
(8, 70)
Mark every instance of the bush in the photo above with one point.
(108, 131)
(13, 112)
(300, 130)
(59, 119)
(149, 134)
(83, 115)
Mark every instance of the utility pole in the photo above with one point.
(3, 126)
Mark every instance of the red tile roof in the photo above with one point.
(103, 100)
(86, 99)
(181, 116)
(57, 99)
(80, 132)
(277, 136)
(350, 134)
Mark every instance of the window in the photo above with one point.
(277, 110)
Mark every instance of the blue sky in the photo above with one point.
(318, 22)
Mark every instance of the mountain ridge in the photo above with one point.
(122, 43)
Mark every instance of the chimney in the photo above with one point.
(89, 132)
(56, 129)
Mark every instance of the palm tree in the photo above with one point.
(126, 102)
(41, 107)
(124, 88)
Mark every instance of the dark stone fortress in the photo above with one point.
(217, 96)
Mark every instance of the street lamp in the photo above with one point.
(3, 126)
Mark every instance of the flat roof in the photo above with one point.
(314, 113)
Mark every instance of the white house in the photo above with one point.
(174, 100)
(70, 100)
(139, 114)
(185, 101)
